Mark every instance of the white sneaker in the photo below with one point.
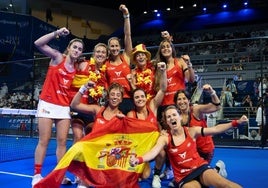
(66, 181)
(221, 166)
(36, 179)
(81, 186)
(169, 174)
(156, 182)
(76, 180)
(171, 184)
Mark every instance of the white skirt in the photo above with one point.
(53, 111)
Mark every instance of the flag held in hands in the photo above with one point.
(101, 158)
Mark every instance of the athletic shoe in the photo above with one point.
(156, 182)
(221, 168)
(168, 174)
(81, 186)
(76, 180)
(36, 179)
(171, 183)
(66, 181)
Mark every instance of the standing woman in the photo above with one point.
(54, 102)
(93, 70)
(179, 70)
(118, 64)
(142, 76)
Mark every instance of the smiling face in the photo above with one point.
(100, 53)
(114, 47)
(166, 49)
(182, 102)
(140, 59)
(139, 98)
(115, 95)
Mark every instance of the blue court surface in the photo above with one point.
(246, 166)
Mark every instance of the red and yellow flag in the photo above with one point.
(101, 158)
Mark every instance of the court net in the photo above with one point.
(19, 135)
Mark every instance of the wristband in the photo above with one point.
(140, 160)
(202, 132)
(83, 89)
(235, 123)
(56, 35)
(216, 104)
(126, 16)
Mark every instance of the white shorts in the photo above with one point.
(53, 111)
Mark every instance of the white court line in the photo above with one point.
(15, 174)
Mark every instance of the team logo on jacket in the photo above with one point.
(118, 73)
(65, 81)
(183, 155)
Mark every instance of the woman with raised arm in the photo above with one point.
(190, 170)
(118, 63)
(147, 109)
(179, 71)
(54, 101)
(194, 115)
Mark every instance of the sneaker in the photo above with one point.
(66, 181)
(171, 183)
(36, 179)
(220, 166)
(80, 185)
(156, 182)
(76, 180)
(169, 174)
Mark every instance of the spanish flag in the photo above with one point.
(101, 158)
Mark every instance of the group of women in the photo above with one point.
(105, 87)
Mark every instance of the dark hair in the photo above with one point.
(71, 42)
(175, 98)
(159, 57)
(138, 89)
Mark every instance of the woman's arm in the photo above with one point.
(188, 69)
(132, 79)
(81, 107)
(127, 31)
(157, 100)
(42, 43)
(214, 106)
(160, 144)
(219, 128)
